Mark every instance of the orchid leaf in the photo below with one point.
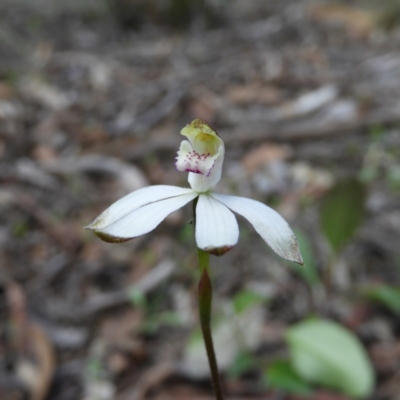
(245, 299)
(280, 375)
(243, 363)
(342, 212)
(327, 354)
(388, 296)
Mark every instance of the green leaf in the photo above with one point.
(393, 176)
(245, 299)
(153, 323)
(325, 353)
(388, 296)
(244, 362)
(280, 375)
(308, 271)
(342, 212)
(137, 297)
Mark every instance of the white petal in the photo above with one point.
(142, 220)
(184, 149)
(202, 183)
(190, 161)
(268, 223)
(216, 227)
(134, 200)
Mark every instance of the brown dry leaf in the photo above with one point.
(92, 135)
(67, 234)
(46, 362)
(253, 93)
(201, 109)
(359, 314)
(390, 388)
(93, 252)
(129, 176)
(44, 94)
(264, 154)
(184, 391)
(204, 104)
(2, 148)
(118, 362)
(152, 378)
(35, 355)
(39, 253)
(385, 356)
(118, 330)
(44, 153)
(358, 22)
(310, 180)
(6, 91)
(274, 332)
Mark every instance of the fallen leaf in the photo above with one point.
(358, 22)
(254, 94)
(265, 154)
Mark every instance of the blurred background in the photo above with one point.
(306, 96)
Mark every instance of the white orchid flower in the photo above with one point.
(217, 231)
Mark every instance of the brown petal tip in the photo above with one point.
(218, 251)
(105, 237)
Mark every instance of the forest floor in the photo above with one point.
(306, 96)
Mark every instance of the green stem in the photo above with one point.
(205, 301)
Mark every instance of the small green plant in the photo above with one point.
(280, 375)
(342, 212)
(388, 296)
(244, 362)
(325, 353)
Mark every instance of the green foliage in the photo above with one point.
(154, 322)
(327, 354)
(389, 296)
(137, 297)
(393, 177)
(308, 271)
(342, 212)
(244, 362)
(149, 257)
(376, 133)
(94, 368)
(389, 17)
(186, 234)
(20, 229)
(195, 337)
(245, 299)
(154, 318)
(368, 174)
(280, 375)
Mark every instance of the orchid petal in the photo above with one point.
(268, 223)
(217, 230)
(141, 220)
(191, 161)
(134, 200)
(202, 183)
(202, 155)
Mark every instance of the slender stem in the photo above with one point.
(204, 261)
(205, 301)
